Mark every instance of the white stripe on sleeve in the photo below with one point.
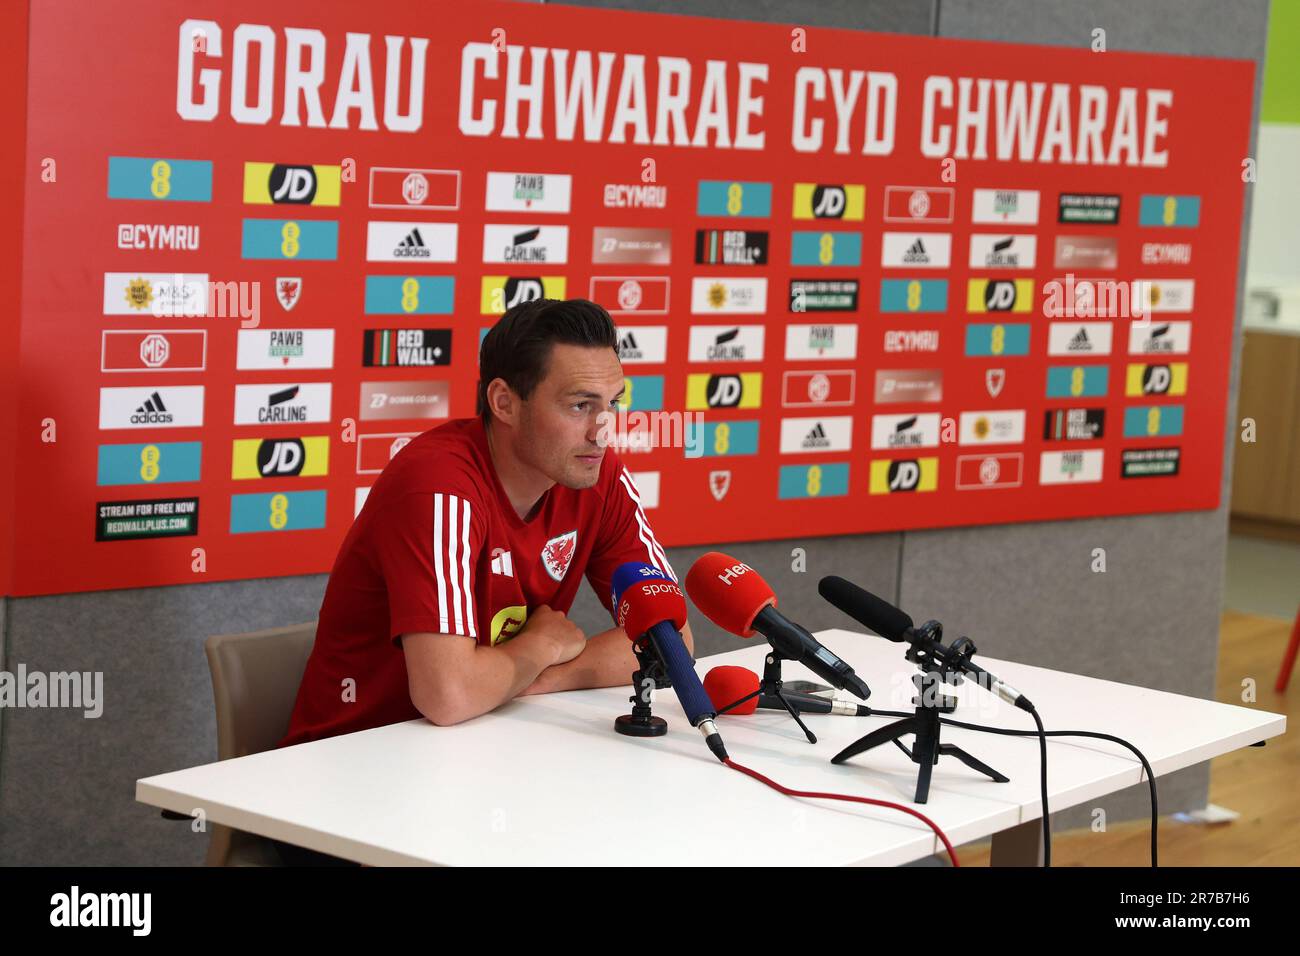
(464, 568)
(653, 548)
(437, 563)
(453, 562)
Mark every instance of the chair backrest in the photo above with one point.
(255, 680)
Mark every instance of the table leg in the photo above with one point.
(1021, 845)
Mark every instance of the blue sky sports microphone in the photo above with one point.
(648, 603)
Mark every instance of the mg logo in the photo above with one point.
(918, 204)
(819, 388)
(154, 350)
(415, 188)
(629, 295)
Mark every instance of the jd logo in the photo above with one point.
(522, 290)
(285, 456)
(1000, 296)
(828, 202)
(724, 391)
(1156, 380)
(292, 184)
(904, 475)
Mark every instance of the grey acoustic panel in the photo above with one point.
(1026, 592)
(67, 783)
(888, 16)
(1194, 27)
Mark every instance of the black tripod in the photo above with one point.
(651, 675)
(939, 665)
(770, 684)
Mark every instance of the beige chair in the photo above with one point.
(255, 680)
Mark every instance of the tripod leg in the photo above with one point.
(925, 755)
(882, 735)
(812, 739)
(972, 762)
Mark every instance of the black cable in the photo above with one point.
(1146, 765)
(1043, 735)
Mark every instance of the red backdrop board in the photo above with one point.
(844, 261)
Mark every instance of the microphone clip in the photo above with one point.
(650, 676)
(927, 651)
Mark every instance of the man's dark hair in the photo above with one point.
(518, 347)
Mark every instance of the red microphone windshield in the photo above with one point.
(728, 592)
(647, 603)
(727, 683)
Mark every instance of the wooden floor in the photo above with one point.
(1260, 783)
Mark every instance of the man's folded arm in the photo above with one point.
(452, 678)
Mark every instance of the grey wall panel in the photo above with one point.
(890, 16)
(1026, 592)
(67, 784)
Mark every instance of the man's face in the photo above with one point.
(559, 423)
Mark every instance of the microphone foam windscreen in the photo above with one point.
(727, 683)
(646, 603)
(728, 592)
(629, 572)
(864, 607)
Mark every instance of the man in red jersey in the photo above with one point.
(450, 593)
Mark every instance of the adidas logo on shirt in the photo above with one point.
(502, 563)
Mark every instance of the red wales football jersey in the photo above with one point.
(439, 548)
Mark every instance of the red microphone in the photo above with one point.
(735, 597)
(728, 592)
(727, 683)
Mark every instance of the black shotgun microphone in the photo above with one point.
(871, 612)
(895, 625)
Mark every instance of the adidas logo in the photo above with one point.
(916, 252)
(151, 412)
(1080, 342)
(412, 247)
(627, 347)
(153, 404)
(503, 563)
(816, 437)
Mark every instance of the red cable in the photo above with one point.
(952, 854)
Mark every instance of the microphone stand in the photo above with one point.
(771, 684)
(650, 676)
(939, 665)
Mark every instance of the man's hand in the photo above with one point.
(554, 629)
(606, 661)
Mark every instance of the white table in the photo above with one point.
(546, 780)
